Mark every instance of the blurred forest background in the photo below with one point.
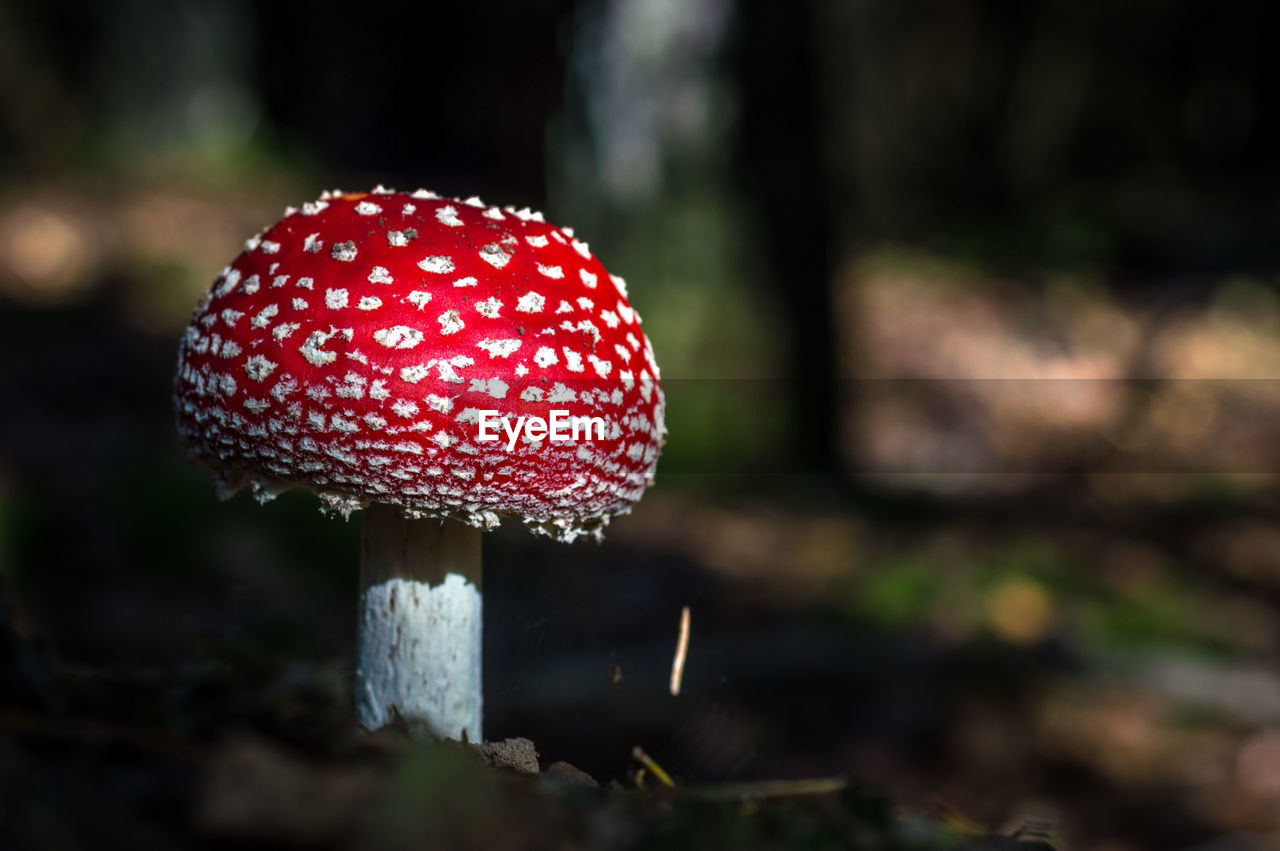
(968, 318)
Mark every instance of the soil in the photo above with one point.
(227, 754)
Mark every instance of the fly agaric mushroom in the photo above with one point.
(369, 347)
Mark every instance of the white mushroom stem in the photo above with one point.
(419, 639)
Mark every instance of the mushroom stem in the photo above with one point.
(419, 638)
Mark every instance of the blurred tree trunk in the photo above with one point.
(780, 148)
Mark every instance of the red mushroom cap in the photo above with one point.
(352, 346)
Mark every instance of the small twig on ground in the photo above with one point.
(656, 770)
(769, 789)
(682, 649)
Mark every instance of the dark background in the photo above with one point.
(992, 601)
